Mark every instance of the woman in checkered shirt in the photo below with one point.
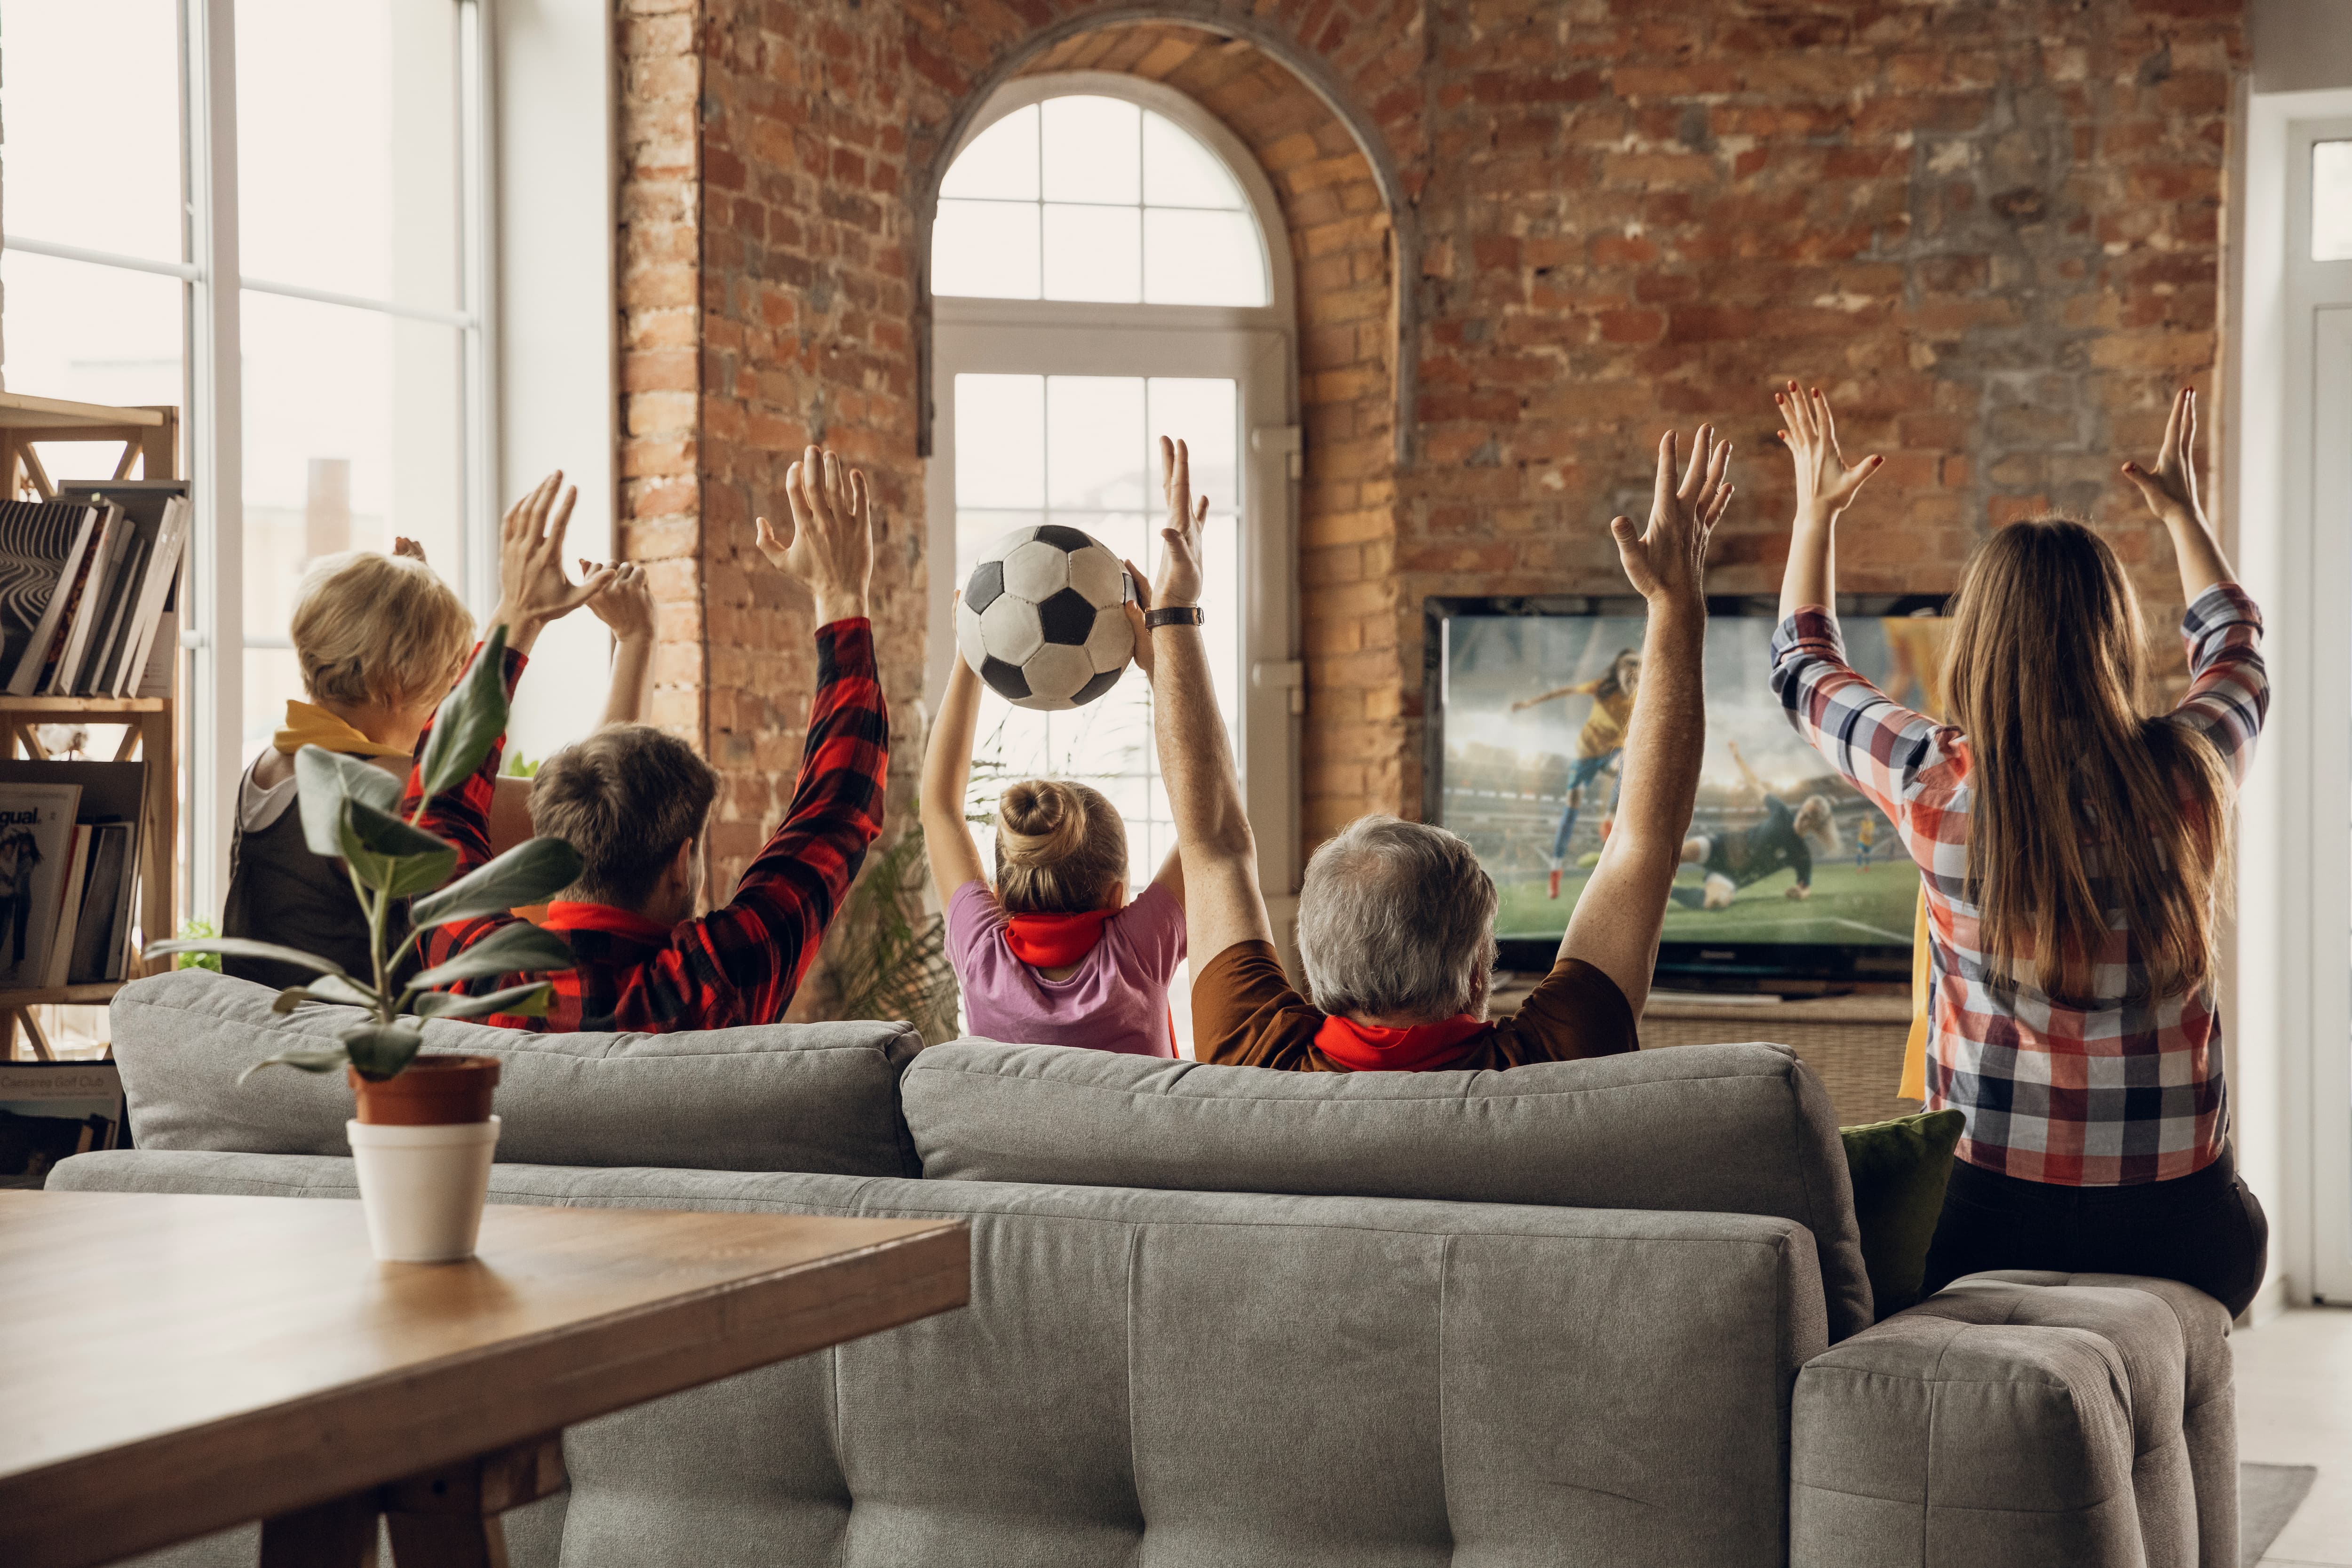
(2071, 1009)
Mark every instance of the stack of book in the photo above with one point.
(86, 584)
(68, 871)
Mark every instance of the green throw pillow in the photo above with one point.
(1899, 1169)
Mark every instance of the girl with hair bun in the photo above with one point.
(1054, 954)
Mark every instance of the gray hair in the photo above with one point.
(1397, 919)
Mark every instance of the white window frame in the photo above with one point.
(2292, 1079)
(1254, 346)
(213, 397)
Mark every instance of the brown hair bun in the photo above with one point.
(1061, 848)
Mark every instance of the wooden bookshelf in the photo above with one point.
(149, 438)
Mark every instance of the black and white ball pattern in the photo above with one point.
(1042, 620)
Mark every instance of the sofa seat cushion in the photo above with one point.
(1204, 1380)
(786, 1097)
(1724, 1129)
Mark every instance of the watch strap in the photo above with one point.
(1172, 615)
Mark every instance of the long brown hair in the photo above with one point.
(2047, 670)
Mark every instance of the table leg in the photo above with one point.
(338, 1534)
(449, 1518)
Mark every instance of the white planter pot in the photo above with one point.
(422, 1187)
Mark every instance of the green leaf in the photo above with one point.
(518, 949)
(327, 990)
(389, 854)
(309, 1059)
(531, 1001)
(381, 1050)
(525, 874)
(471, 720)
(323, 780)
(244, 947)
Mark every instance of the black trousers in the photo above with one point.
(2205, 1230)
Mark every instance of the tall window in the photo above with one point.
(350, 390)
(1103, 275)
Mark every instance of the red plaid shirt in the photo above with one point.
(740, 964)
(2127, 1089)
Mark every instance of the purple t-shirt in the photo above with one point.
(1116, 999)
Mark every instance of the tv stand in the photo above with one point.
(1855, 1043)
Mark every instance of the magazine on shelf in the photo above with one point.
(69, 910)
(73, 623)
(113, 798)
(159, 664)
(42, 545)
(156, 513)
(36, 841)
(89, 610)
(53, 1110)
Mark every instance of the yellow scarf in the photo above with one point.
(310, 725)
(1913, 1084)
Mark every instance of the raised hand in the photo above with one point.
(1135, 608)
(532, 587)
(627, 604)
(2170, 488)
(1826, 482)
(1668, 560)
(829, 543)
(1180, 537)
(404, 546)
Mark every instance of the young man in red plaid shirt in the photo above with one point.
(634, 801)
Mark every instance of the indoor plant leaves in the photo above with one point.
(470, 720)
(391, 855)
(525, 874)
(531, 1001)
(245, 947)
(380, 1050)
(518, 949)
(323, 780)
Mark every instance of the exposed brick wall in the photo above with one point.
(1993, 230)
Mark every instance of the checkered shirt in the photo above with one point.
(738, 964)
(2119, 1092)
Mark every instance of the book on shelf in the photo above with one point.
(37, 843)
(139, 593)
(94, 916)
(53, 1110)
(44, 550)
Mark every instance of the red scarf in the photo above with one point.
(1049, 941)
(1369, 1047)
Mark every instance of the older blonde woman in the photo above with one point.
(381, 639)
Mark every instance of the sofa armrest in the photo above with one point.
(2025, 1419)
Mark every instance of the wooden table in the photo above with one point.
(174, 1364)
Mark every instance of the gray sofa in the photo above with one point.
(1609, 1314)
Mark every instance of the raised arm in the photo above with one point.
(626, 608)
(2170, 492)
(947, 775)
(1825, 486)
(1223, 904)
(1622, 909)
(1584, 688)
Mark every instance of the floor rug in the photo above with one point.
(2268, 1496)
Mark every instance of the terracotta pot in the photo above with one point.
(434, 1091)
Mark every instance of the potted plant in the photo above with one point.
(424, 1132)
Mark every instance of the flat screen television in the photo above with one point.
(1522, 758)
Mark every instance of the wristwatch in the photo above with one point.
(1171, 615)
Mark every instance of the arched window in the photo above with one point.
(1108, 266)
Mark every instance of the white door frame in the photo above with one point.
(1006, 337)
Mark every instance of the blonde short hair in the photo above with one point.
(379, 629)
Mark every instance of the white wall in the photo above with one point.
(557, 394)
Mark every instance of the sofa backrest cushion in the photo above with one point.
(784, 1097)
(1721, 1128)
(1205, 1378)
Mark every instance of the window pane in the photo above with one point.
(1177, 171)
(91, 335)
(352, 436)
(1001, 163)
(1093, 427)
(985, 249)
(1094, 253)
(2331, 201)
(999, 440)
(1202, 258)
(93, 128)
(1092, 150)
(348, 147)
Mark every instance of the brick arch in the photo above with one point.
(1353, 373)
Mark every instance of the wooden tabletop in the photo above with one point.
(172, 1365)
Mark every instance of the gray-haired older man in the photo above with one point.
(1396, 920)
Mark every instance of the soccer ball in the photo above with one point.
(1042, 619)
